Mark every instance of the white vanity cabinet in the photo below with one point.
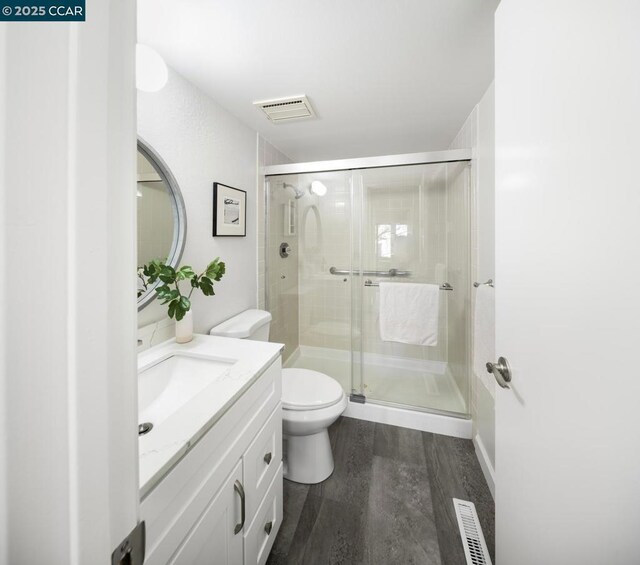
(222, 502)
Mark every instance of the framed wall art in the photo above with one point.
(229, 211)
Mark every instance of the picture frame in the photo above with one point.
(229, 211)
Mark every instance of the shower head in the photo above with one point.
(298, 193)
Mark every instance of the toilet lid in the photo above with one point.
(303, 389)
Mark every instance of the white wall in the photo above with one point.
(202, 143)
(478, 133)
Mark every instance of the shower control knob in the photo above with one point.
(501, 371)
(285, 250)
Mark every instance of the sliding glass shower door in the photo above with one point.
(414, 228)
(348, 231)
(309, 287)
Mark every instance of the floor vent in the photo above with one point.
(475, 547)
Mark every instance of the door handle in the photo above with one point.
(501, 371)
(237, 486)
(267, 458)
(268, 527)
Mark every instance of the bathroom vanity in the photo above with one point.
(211, 465)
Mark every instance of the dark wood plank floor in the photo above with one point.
(387, 502)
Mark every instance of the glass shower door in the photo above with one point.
(413, 226)
(310, 289)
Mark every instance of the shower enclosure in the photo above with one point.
(335, 231)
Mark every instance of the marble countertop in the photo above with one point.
(169, 441)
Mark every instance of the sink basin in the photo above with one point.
(167, 386)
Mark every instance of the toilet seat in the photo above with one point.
(304, 389)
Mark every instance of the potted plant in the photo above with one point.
(169, 291)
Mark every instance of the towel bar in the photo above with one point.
(488, 283)
(443, 286)
(389, 273)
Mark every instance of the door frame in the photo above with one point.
(69, 393)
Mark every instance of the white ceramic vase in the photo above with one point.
(184, 328)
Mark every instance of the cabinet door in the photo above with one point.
(212, 540)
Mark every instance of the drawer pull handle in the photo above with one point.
(268, 527)
(237, 486)
(267, 458)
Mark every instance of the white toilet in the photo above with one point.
(311, 402)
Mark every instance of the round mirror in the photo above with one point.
(162, 220)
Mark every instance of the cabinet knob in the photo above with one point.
(267, 458)
(268, 527)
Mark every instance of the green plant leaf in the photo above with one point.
(182, 307)
(152, 270)
(215, 269)
(168, 294)
(162, 289)
(185, 272)
(172, 308)
(167, 274)
(206, 286)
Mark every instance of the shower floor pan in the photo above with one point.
(430, 387)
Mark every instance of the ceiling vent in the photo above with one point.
(285, 109)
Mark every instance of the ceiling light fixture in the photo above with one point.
(318, 188)
(151, 70)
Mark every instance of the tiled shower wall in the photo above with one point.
(267, 155)
(282, 275)
(282, 283)
(459, 267)
(325, 239)
(414, 197)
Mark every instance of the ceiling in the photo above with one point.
(384, 76)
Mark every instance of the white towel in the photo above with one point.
(484, 332)
(409, 313)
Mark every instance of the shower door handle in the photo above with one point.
(501, 371)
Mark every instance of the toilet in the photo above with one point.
(311, 402)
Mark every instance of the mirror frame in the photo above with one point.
(179, 215)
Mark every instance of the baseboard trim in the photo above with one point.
(485, 464)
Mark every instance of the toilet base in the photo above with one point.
(309, 459)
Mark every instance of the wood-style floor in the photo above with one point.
(388, 501)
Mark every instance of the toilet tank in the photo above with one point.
(250, 324)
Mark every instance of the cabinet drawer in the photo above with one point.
(261, 461)
(259, 538)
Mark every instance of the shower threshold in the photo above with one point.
(421, 419)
